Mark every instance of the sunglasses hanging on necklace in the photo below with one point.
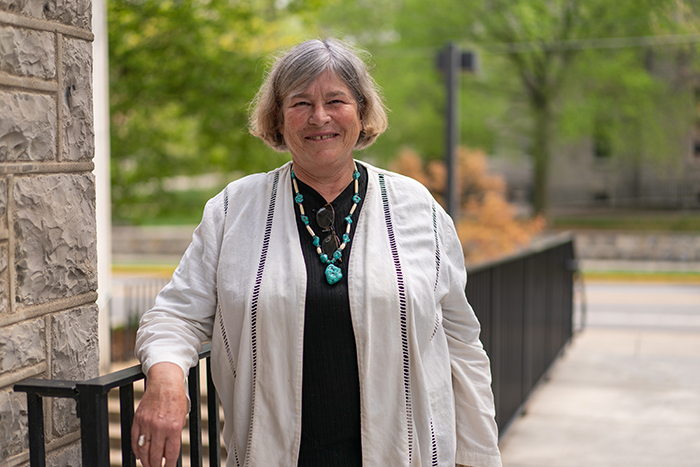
(325, 218)
(329, 251)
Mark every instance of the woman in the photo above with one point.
(333, 294)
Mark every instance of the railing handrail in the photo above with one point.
(91, 397)
(69, 389)
(538, 245)
(48, 387)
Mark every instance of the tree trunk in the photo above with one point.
(540, 155)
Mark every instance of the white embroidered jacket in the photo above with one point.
(425, 382)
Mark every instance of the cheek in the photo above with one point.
(291, 122)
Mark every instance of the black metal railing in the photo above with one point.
(525, 306)
(524, 303)
(92, 409)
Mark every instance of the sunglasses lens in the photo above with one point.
(330, 244)
(325, 217)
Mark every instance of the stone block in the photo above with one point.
(75, 343)
(68, 456)
(76, 13)
(22, 344)
(650, 246)
(13, 424)
(75, 357)
(56, 248)
(76, 101)
(65, 418)
(28, 127)
(25, 52)
(31, 8)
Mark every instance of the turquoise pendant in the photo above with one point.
(333, 274)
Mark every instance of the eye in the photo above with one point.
(300, 104)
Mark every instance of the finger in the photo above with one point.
(172, 451)
(142, 452)
(155, 451)
(135, 433)
(140, 446)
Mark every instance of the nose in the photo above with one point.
(319, 116)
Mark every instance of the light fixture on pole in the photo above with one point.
(452, 61)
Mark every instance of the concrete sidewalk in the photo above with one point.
(627, 390)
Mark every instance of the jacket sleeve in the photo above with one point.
(183, 315)
(477, 433)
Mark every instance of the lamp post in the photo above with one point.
(452, 61)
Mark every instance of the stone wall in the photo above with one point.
(638, 246)
(48, 258)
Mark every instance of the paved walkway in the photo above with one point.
(627, 390)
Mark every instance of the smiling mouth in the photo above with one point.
(321, 138)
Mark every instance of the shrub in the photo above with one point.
(488, 227)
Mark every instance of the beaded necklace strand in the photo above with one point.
(333, 272)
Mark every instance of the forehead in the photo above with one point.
(325, 84)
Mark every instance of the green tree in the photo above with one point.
(181, 76)
(542, 39)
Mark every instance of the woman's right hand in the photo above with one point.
(157, 429)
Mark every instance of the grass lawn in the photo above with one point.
(144, 269)
(633, 276)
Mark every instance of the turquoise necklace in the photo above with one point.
(333, 272)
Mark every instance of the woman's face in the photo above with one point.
(321, 124)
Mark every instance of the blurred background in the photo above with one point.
(569, 115)
(566, 115)
(580, 106)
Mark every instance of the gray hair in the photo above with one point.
(297, 69)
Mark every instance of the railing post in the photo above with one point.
(213, 421)
(94, 424)
(35, 390)
(35, 413)
(126, 409)
(195, 417)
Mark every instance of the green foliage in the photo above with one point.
(615, 97)
(183, 73)
(415, 99)
(553, 73)
(181, 76)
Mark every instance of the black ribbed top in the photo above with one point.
(330, 426)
